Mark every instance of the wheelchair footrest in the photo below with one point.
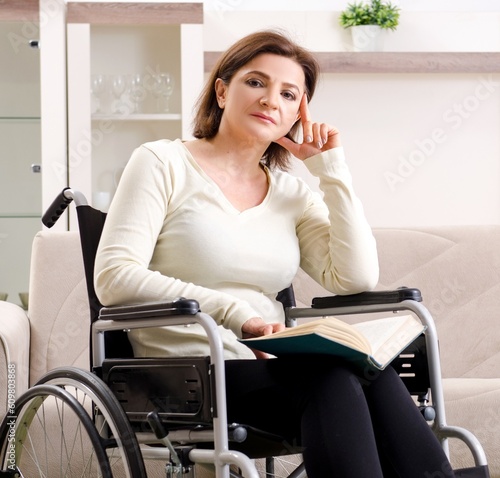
(474, 472)
(178, 389)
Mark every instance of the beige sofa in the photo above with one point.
(456, 268)
(458, 271)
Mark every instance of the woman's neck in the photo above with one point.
(239, 159)
(237, 171)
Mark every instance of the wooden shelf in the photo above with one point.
(398, 62)
(19, 11)
(134, 13)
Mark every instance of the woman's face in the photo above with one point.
(262, 100)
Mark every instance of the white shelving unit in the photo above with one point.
(109, 38)
(20, 137)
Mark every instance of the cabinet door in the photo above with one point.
(20, 157)
(116, 56)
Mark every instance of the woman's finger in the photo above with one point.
(305, 114)
(305, 119)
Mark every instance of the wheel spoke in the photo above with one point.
(55, 437)
(110, 422)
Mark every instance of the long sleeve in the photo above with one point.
(171, 232)
(148, 193)
(337, 246)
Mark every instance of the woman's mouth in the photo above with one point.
(264, 117)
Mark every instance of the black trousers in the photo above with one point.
(349, 424)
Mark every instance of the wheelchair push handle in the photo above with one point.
(59, 205)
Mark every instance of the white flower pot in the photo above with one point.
(367, 38)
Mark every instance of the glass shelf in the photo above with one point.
(27, 215)
(19, 118)
(139, 117)
(20, 137)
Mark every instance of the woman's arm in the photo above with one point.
(336, 242)
(337, 245)
(128, 241)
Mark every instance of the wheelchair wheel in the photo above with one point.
(109, 418)
(49, 434)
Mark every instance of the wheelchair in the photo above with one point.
(108, 422)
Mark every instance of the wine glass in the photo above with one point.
(162, 89)
(137, 91)
(118, 87)
(97, 88)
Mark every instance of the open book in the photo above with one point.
(374, 343)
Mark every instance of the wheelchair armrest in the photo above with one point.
(368, 298)
(180, 306)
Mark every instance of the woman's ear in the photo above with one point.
(220, 92)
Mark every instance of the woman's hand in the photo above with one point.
(256, 327)
(318, 137)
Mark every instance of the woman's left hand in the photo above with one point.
(257, 327)
(318, 137)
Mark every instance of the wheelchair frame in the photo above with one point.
(440, 427)
(183, 312)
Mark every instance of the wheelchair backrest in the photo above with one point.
(91, 222)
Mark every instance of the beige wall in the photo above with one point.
(423, 148)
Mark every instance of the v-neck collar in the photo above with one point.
(224, 201)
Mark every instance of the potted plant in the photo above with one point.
(367, 20)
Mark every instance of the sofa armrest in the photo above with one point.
(14, 353)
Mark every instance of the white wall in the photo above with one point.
(390, 120)
(423, 148)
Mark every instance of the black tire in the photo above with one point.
(50, 434)
(110, 420)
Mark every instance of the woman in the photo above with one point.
(218, 220)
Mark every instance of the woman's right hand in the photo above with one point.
(318, 137)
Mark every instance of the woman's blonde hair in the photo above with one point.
(208, 114)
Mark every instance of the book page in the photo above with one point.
(343, 333)
(328, 327)
(388, 336)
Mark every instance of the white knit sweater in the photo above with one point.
(171, 232)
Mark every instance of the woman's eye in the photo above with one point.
(288, 95)
(254, 83)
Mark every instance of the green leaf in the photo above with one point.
(377, 12)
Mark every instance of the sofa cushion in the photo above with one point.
(57, 292)
(14, 353)
(457, 268)
(458, 271)
(474, 404)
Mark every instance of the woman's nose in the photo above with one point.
(269, 101)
